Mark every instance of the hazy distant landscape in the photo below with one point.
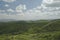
(30, 30)
(29, 19)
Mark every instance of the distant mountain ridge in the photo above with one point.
(7, 20)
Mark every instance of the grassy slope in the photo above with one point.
(21, 30)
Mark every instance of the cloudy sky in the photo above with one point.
(29, 9)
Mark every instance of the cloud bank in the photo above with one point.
(9, 1)
(43, 11)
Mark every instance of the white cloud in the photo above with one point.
(6, 5)
(10, 10)
(9, 0)
(47, 1)
(33, 14)
(20, 8)
(51, 7)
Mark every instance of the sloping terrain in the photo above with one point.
(22, 30)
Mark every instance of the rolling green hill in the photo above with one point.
(30, 30)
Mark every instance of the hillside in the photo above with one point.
(32, 30)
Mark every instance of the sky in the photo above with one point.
(29, 9)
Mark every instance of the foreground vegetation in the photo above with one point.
(30, 30)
